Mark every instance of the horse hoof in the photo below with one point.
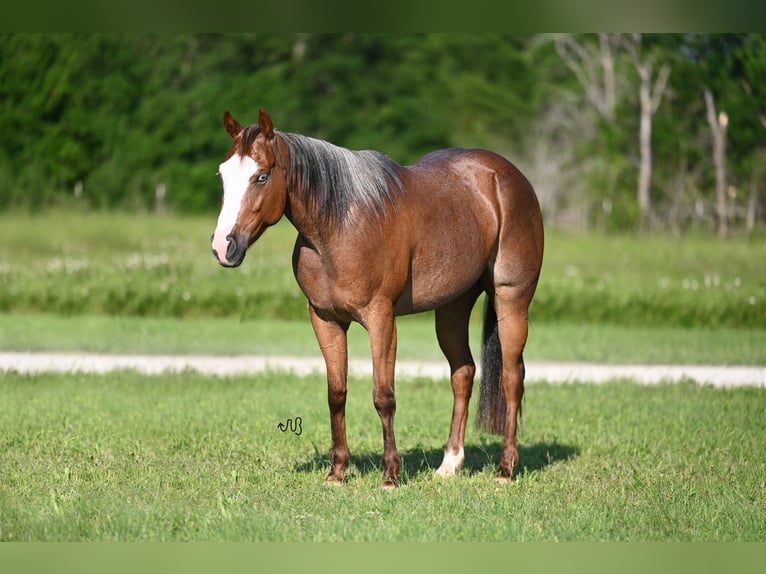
(333, 480)
(389, 484)
(444, 472)
(500, 479)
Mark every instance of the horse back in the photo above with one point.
(474, 180)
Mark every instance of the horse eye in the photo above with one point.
(261, 178)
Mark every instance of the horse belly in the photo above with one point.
(441, 276)
(452, 242)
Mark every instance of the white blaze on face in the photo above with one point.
(235, 174)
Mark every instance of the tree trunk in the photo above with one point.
(606, 45)
(718, 124)
(645, 145)
(752, 210)
(650, 96)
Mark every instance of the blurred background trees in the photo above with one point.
(616, 132)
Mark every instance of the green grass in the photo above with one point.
(417, 340)
(185, 457)
(653, 280)
(143, 265)
(139, 265)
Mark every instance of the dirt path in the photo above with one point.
(720, 376)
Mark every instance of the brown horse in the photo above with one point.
(377, 240)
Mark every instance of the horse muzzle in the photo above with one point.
(235, 250)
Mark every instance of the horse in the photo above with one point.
(377, 240)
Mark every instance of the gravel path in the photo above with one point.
(719, 376)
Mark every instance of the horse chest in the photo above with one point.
(338, 288)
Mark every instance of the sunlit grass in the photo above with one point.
(186, 457)
(145, 265)
(580, 342)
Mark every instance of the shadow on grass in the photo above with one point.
(483, 458)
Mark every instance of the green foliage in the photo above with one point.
(112, 120)
(718, 63)
(122, 457)
(121, 115)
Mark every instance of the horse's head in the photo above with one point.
(254, 189)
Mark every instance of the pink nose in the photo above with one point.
(227, 251)
(221, 246)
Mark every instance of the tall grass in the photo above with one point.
(122, 457)
(139, 265)
(143, 265)
(697, 281)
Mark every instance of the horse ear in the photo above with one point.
(232, 126)
(264, 121)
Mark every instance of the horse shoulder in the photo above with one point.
(310, 273)
(338, 282)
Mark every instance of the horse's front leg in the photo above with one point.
(332, 339)
(381, 327)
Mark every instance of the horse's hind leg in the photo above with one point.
(452, 332)
(511, 306)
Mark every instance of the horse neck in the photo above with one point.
(297, 213)
(297, 209)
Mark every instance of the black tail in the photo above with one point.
(492, 408)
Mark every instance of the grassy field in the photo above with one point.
(142, 283)
(184, 457)
(68, 264)
(187, 457)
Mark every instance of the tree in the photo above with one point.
(718, 123)
(594, 67)
(753, 57)
(121, 118)
(651, 91)
(594, 61)
(731, 93)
